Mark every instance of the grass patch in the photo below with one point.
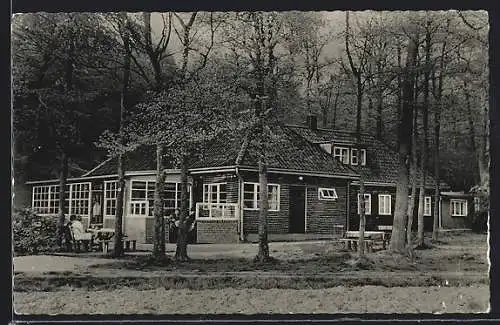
(330, 263)
(48, 284)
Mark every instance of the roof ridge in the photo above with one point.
(243, 149)
(96, 167)
(331, 130)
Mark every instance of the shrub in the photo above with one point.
(478, 221)
(34, 234)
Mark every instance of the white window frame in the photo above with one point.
(331, 194)
(343, 155)
(452, 207)
(136, 203)
(382, 208)
(208, 191)
(368, 207)
(72, 199)
(255, 195)
(178, 196)
(110, 200)
(354, 156)
(41, 199)
(136, 206)
(477, 204)
(427, 204)
(51, 205)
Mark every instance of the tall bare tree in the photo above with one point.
(404, 136)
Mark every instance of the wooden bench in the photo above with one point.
(352, 244)
(129, 245)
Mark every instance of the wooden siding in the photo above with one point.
(321, 216)
(374, 219)
(217, 231)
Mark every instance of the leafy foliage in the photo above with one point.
(33, 234)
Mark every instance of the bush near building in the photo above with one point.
(33, 234)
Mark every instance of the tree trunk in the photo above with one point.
(263, 253)
(425, 123)
(335, 105)
(437, 127)
(413, 179)
(435, 224)
(362, 214)
(400, 91)
(153, 57)
(380, 121)
(181, 251)
(118, 238)
(404, 136)
(63, 175)
(118, 243)
(159, 238)
(472, 133)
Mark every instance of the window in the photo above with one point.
(368, 204)
(172, 197)
(251, 196)
(79, 199)
(477, 203)
(215, 193)
(354, 156)
(142, 196)
(384, 204)
(427, 206)
(110, 194)
(458, 208)
(45, 199)
(342, 154)
(327, 194)
(363, 157)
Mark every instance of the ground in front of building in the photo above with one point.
(307, 277)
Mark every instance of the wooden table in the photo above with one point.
(352, 237)
(103, 237)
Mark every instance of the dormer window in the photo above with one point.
(349, 155)
(342, 154)
(354, 156)
(355, 159)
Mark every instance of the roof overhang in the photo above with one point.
(456, 194)
(127, 174)
(384, 184)
(204, 170)
(300, 172)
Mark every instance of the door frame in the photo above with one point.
(305, 205)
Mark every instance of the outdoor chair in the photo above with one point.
(81, 239)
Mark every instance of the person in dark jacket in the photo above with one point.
(68, 239)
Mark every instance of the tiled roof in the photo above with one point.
(381, 160)
(293, 152)
(143, 158)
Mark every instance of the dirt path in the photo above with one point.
(374, 299)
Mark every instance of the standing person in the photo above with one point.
(96, 211)
(173, 226)
(68, 240)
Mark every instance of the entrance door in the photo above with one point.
(297, 218)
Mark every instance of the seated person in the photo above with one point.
(78, 231)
